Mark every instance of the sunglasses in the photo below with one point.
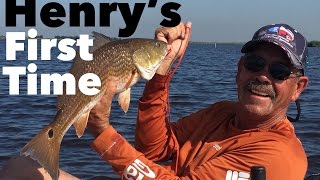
(277, 71)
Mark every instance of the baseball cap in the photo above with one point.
(283, 35)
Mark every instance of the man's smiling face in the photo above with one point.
(261, 94)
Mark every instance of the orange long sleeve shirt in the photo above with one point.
(204, 145)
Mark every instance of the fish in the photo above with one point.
(119, 64)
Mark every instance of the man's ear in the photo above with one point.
(302, 83)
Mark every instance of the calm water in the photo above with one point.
(206, 75)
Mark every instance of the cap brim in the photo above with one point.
(253, 43)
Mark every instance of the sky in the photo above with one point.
(213, 20)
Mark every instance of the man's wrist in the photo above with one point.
(97, 130)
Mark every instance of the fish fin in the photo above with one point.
(81, 124)
(124, 99)
(99, 40)
(44, 148)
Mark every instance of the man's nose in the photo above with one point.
(264, 75)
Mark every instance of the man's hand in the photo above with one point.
(177, 39)
(99, 115)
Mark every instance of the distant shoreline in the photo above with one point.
(314, 44)
(199, 42)
(191, 42)
(310, 44)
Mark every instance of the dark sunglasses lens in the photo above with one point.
(279, 71)
(254, 63)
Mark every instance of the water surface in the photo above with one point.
(206, 75)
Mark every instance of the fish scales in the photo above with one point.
(119, 64)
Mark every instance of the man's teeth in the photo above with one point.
(259, 93)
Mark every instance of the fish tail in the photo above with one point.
(44, 148)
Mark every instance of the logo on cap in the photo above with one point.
(283, 32)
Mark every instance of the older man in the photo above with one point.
(226, 139)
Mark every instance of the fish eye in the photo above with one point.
(158, 44)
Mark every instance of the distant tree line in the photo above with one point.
(2, 37)
(314, 44)
(64, 37)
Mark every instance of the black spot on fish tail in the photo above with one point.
(50, 133)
